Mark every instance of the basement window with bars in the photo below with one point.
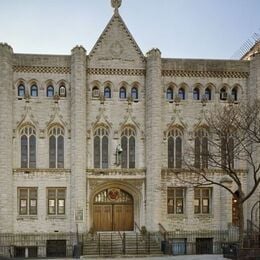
(175, 200)
(27, 198)
(56, 201)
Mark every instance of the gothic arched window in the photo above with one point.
(21, 90)
(50, 91)
(208, 93)
(181, 93)
(95, 92)
(169, 94)
(101, 148)
(223, 94)
(128, 148)
(107, 92)
(234, 93)
(56, 147)
(134, 93)
(122, 93)
(28, 147)
(62, 91)
(201, 148)
(175, 148)
(196, 94)
(227, 152)
(34, 90)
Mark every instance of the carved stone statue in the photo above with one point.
(116, 3)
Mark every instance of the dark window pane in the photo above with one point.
(97, 152)
(32, 162)
(21, 90)
(231, 152)
(197, 152)
(24, 152)
(169, 94)
(178, 152)
(105, 152)
(134, 93)
(208, 93)
(196, 94)
(122, 93)
(181, 93)
(50, 91)
(131, 152)
(34, 91)
(223, 152)
(234, 93)
(107, 92)
(170, 152)
(52, 151)
(124, 152)
(60, 152)
(204, 152)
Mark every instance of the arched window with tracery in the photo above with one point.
(101, 148)
(134, 93)
(128, 148)
(196, 94)
(201, 148)
(181, 93)
(122, 93)
(56, 147)
(107, 92)
(175, 137)
(208, 93)
(34, 90)
(50, 91)
(21, 90)
(169, 93)
(28, 147)
(62, 91)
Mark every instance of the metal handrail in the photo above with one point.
(136, 226)
(163, 231)
(120, 235)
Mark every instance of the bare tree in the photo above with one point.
(234, 137)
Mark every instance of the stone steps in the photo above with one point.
(111, 243)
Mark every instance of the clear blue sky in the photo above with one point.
(179, 28)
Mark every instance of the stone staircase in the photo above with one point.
(115, 244)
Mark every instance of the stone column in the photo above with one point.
(153, 134)
(6, 138)
(78, 136)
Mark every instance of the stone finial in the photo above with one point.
(154, 52)
(116, 4)
(78, 48)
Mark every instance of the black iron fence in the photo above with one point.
(124, 243)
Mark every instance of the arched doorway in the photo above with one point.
(113, 210)
(235, 210)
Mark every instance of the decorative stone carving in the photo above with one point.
(116, 3)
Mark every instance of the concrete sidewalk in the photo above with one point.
(182, 257)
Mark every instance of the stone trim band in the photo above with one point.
(132, 72)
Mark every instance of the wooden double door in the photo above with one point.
(113, 217)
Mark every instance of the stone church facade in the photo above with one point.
(84, 137)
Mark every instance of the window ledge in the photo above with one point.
(209, 215)
(50, 217)
(27, 217)
(174, 215)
